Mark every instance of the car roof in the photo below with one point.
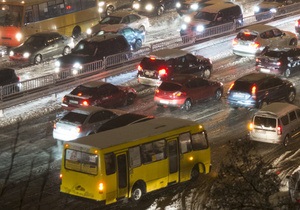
(166, 54)
(278, 108)
(254, 77)
(214, 8)
(102, 37)
(113, 28)
(258, 28)
(95, 83)
(181, 78)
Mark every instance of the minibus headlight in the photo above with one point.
(273, 10)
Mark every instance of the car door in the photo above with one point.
(279, 39)
(97, 119)
(294, 59)
(273, 89)
(129, 35)
(195, 90)
(134, 21)
(115, 96)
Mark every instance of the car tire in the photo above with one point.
(291, 96)
(66, 51)
(187, 105)
(138, 44)
(218, 94)
(76, 32)
(137, 192)
(287, 73)
(37, 59)
(195, 173)
(109, 10)
(286, 140)
(160, 11)
(142, 28)
(293, 42)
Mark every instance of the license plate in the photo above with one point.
(149, 73)
(73, 102)
(265, 70)
(164, 102)
(260, 131)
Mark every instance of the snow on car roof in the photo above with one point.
(128, 133)
(94, 83)
(166, 54)
(122, 13)
(215, 8)
(277, 108)
(113, 28)
(258, 28)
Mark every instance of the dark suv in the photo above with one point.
(257, 89)
(153, 7)
(9, 81)
(92, 49)
(279, 61)
(163, 64)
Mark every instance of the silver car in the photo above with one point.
(82, 122)
(106, 7)
(130, 19)
(252, 40)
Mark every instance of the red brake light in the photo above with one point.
(297, 23)
(152, 58)
(139, 68)
(278, 63)
(85, 103)
(247, 33)
(178, 94)
(162, 72)
(255, 45)
(234, 42)
(279, 130)
(79, 94)
(253, 92)
(101, 187)
(54, 126)
(78, 129)
(157, 91)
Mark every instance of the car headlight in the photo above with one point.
(136, 6)
(256, 9)
(100, 10)
(77, 66)
(57, 64)
(178, 5)
(187, 19)
(89, 31)
(273, 10)
(19, 36)
(183, 26)
(149, 7)
(11, 53)
(194, 6)
(200, 28)
(26, 55)
(101, 3)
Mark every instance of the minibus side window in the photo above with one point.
(134, 157)
(292, 116)
(153, 151)
(285, 120)
(185, 143)
(298, 113)
(110, 163)
(199, 141)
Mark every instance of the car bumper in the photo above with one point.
(269, 70)
(239, 103)
(149, 81)
(169, 102)
(271, 141)
(65, 136)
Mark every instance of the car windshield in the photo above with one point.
(84, 91)
(153, 64)
(275, 54)
(265, 122)
(74, 117)
(111, 20)
(85, 48)
(10, 15)
(205, 16)
(245, 36)
(35, 41)
(168, 86)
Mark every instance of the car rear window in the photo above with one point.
(84, 91)
(265, 122)
(242, 86)
(74, 117)
(168, 86)
(155, 64)
(245, 36)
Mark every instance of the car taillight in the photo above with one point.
(278, 63)
(54, 126)
(178, 94)
(279, 130)
(254, 45)
(162, 72)
(64, 100)
(78, 129)
(140, 68)
(297, 23)
(19, 78)
(234, 42)
(85, 103)
(253, 92)
(156, 91)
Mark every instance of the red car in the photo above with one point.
(297, 26)
(98, 93)
(185, 90)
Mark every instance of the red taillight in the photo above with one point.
(279, 130)
(247, 33)
(254, 45)
(234, 42)
(162, 72)
(79, 94)
(152, 58)
(178, 94)
(54, 126)
(230, 87)
(64, 100)
(19, 78)
(60, 176)
(297, 23)
(278, 63)
(78, 129)
(85, 103)
(139, 68)
(253, 92)
(156, 91)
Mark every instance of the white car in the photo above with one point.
(82, 122)
(130, 19)
(252, 40)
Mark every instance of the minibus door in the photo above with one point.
(173, 162)
(122, 175)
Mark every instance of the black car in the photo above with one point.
(153, 7)
(122, 120)
(42, 46)
(279, 61)
(187, 7)
(98, 93)
(163, 64)
(9, 81)
(257, 89)
(134, 37)
(92, 49)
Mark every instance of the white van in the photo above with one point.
(276, 123)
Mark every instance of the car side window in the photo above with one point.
(193, 83)
(202, 82)
(111, 89)
(292, 116)
(100, 116)
(277, 32)
(125, 20)
(267, 35)
(191, 59)
(298, 113)
(133, 18)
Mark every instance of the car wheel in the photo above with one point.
(142, 28)
(287, 73)
(138, 44)
(195, 173)
(109, 10)
(76, 32)
(67, 50)
(293, 42)
(206, 73)
(137, 193)
(37, 59)
(187, 105)
(286, 140)
(160, 11)
(291, 96)
(218, 94)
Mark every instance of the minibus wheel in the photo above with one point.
(137, 193)
(195, 173)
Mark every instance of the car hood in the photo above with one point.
(75, 58)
